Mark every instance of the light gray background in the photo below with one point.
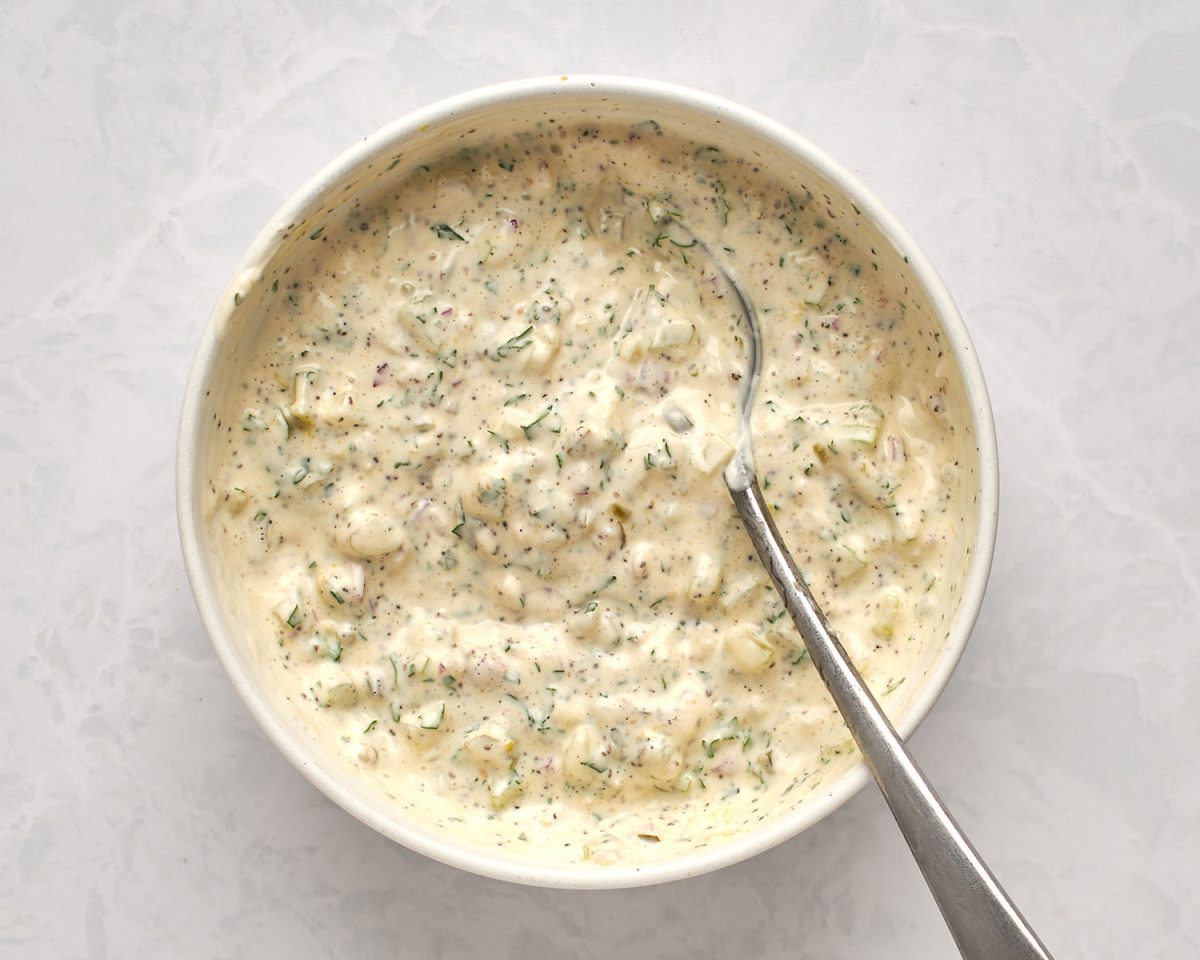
(1047, 157)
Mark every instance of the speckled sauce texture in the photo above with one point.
(467, 492)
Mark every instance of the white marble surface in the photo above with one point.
(1046, 155)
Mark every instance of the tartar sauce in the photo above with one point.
(469, 503)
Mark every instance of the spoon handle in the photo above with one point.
(983, 920)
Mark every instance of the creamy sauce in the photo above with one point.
(469, 501)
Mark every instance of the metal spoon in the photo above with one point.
(984, 922)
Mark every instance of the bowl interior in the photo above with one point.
(424, 137)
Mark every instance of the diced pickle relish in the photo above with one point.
(469, 499)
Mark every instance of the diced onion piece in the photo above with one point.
(289, 611)
(710, 452)
(340, 585)
(831, 751)
(640, 555)
(706, 579)
(331, 689)
(428, 717)
(857, 423)
(687, 783)
(418, 665)
(504, 788)
(486, 542)
(421, 320)
(658, 211)
(890, 601)
(510, 591)
(372, 533)
(843, 423)
(658, 755)
(631, 347)
(584, 763)
(747, 648)
(673, 334)
(811, 275)
(853, 555)
(543, 348)
(252, 420)
(860, 433)
(612, 224)
(486, 497)
(905, 526)
(302, 405)
(738, 591)
(313, 473)
(490, 744)
(677, 420)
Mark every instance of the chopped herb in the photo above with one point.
(513, 344)
(604, 586)
(431, 721)
(446, 232)
(529, 426)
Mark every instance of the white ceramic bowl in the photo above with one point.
(429, 132)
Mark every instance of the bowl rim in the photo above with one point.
(412, 835)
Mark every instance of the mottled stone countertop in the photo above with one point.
(1045, 155)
